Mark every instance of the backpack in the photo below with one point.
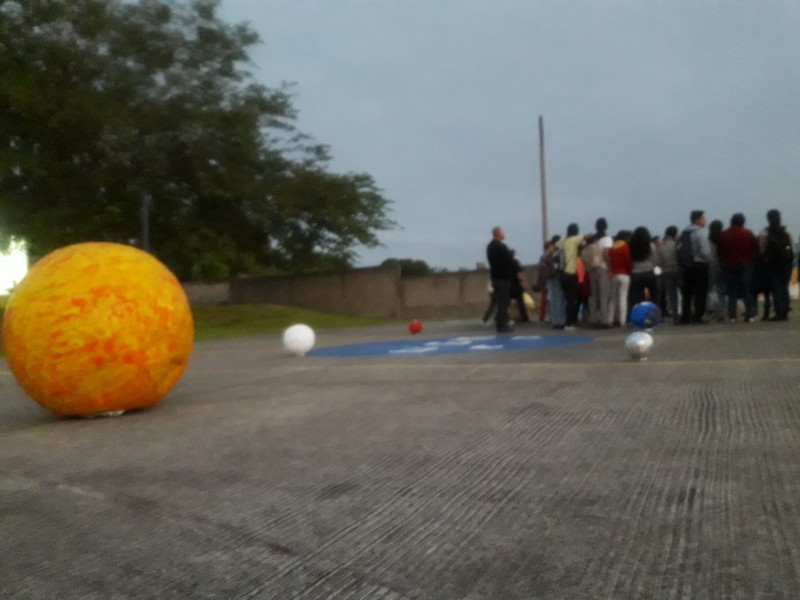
(683, 250)
(778, 248)
(559, 261)
(592, 255)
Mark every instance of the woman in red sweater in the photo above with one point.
(619, 268)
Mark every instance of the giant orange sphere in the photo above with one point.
(97, 328)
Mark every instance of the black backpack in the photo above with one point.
(559, 261)
(684, 250)
(778, 249)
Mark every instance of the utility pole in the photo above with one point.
(545, 235)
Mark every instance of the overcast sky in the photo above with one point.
(651, 109)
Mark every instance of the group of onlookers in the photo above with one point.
(599, 278)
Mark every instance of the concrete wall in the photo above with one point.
(371, 292)
(208, 293)
(444, 294)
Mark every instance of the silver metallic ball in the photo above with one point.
(639, 344)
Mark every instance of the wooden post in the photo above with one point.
(545, 235)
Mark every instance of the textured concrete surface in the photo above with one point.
(572, 473)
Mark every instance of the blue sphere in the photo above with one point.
(645, 315)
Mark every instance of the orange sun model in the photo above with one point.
(98, 328)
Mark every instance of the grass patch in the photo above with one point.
(230, 320)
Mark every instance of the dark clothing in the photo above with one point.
(737, 246)
(737, 249)
(777, 253)
(779, 278)
(516, 283)
(489, 309)
(761, 283)
(502, 299)
(501, 261)
(545, 272)
(639, 283)
(571, 288)
(695, 292)
(738, 280)
(501, 265)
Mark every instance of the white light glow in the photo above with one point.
(13, 267)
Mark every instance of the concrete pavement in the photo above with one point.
(567, 473)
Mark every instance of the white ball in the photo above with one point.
(298, 339)
(639, 344)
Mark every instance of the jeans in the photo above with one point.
(600, 297)
(738, 284)
(671, 281)
(555, 298)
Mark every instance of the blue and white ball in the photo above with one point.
(645, 315)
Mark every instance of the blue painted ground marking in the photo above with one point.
(452, 345)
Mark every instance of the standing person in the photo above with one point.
(555, 288)
(595, 260)
(569, 279)
(693, 255)
(501, 266)
(738, 248)
(775, 244)
(544, 272)
(716, 285)
(670, 271)
(661, 298)
(584, 291)
(619, 266)
(643, 276)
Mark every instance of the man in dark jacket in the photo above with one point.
(501, 265)
(775, 244)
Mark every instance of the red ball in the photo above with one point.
(415, 326)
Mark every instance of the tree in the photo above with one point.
(105, 103)
(409, 266)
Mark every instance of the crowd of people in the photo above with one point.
(700, 274)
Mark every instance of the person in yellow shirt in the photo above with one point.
(569, 279)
